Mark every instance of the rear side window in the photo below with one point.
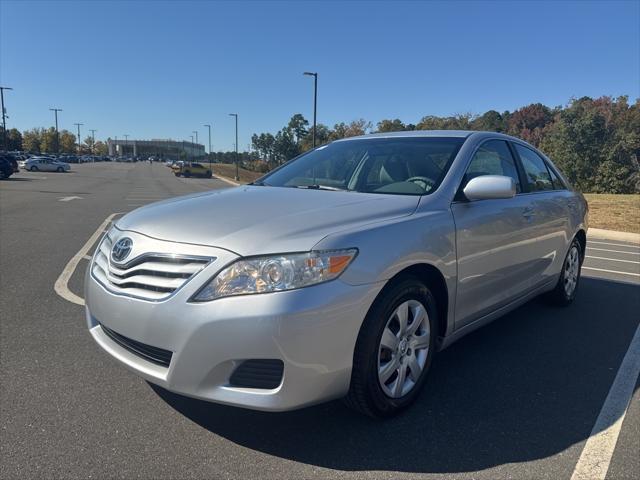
(493, 158)
(558, 184)
(536, 172)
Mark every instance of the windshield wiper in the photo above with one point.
(320, 187)
(260, 184)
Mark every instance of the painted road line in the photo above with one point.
(597, 452)
(614, 251)
(612, 259)
(611, 271)
(589, 242)
(61, 286)
(68, 199)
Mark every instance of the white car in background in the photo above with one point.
(46, 164)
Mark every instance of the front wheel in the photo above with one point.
(33, 169)
(394, 349)
(565, 291)
(60, 169)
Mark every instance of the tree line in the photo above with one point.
(43, 140)
(595, 142)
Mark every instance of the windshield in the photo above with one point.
(401, 166)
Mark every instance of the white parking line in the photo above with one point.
(68, 199)
(597, 452)
(611, 271)
(614, 251)
(61, 285)
(612, 259)
(614, 244)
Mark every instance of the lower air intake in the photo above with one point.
(258, 373)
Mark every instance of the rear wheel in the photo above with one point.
(33, 168)
(187, 174)
(394, 349)
(60, 169)
(565, 291)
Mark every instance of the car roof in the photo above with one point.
(431, 133)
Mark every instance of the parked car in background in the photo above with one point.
(191, 169)
(339, 274)
(6, 167)
(45, 164)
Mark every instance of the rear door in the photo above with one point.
(549, 204)
(493, 239)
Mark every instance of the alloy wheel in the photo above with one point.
(403, 349)
(571, 271)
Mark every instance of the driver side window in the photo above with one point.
(493, 158)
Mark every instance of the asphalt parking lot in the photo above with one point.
(516, 399)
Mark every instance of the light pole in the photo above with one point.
(4, 116)
(126, 140)
(93, 140)
(315, 101)
(237, 172)
(55, 111)
(196, 132)
(78, 125)
(192, 146)
(209, 127)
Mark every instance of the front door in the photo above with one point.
(493, 239)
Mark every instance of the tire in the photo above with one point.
(565, 290)
(60, 170)
(369, 392)
(208, 175)
(187, 174)
(33, 168)
(177, 174)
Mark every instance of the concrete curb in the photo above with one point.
(613, 235)
(228, 180)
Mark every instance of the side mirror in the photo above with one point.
(488, 187)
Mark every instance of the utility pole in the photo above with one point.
(126, 140)
(56, 110)
(315, 102)
(209, 127)
(4, 117)
(79, 141)
(237, 171)
(93, 140)
(192, 146)
(196, 132)
(116, 146)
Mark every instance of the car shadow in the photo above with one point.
(18, 179)
(526, 387)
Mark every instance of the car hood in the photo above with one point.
(252, 220)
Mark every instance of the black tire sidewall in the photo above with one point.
(375, 323)
(563, 298)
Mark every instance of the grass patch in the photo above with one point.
(228, 170)
(614, 212)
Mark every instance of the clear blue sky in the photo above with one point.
(162, 69)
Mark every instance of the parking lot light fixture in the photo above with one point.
(55, 111)
(79, 141)
(126, 140)
(236, 146)
(196, 132)
(4, 118)
(209, 127)
(93, 140)
(315, 101)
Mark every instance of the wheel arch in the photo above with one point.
(432, 278)
(581, 236)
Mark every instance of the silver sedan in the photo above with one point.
(339, 274)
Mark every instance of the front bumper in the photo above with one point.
(312, 330)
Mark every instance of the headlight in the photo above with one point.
(276, 273)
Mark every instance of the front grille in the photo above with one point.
(151, 276)
(155, 355)
(258, 373)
